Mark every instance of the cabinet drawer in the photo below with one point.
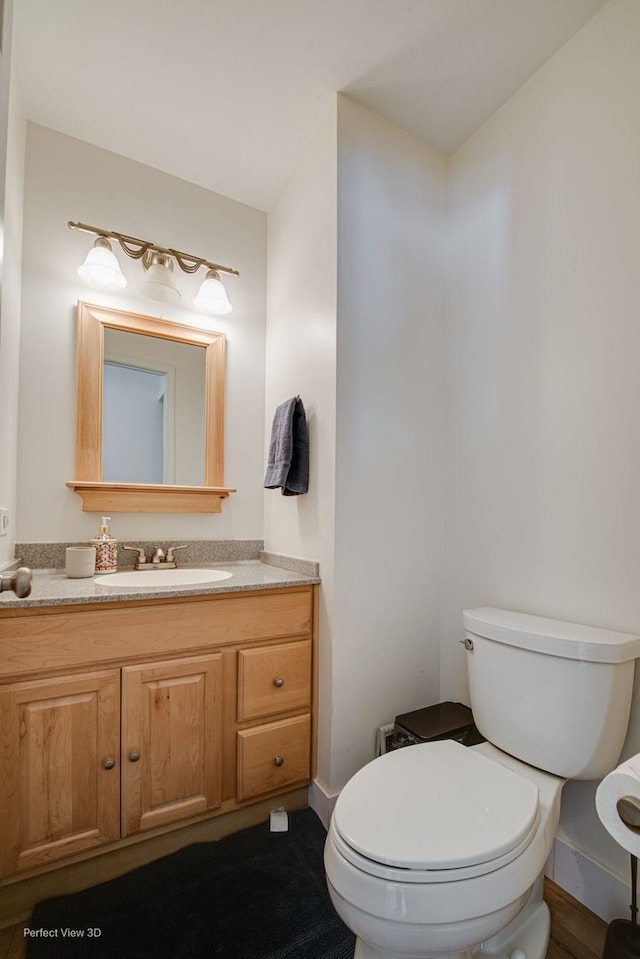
(273, 756)
(273, 679)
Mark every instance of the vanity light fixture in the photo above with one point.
(101, 269)
(212, 296)
(159, 283)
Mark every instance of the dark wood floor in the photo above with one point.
(575, 932)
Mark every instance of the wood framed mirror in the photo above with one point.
(194, 435)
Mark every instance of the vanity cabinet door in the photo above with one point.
(59, 768)
(171, 741)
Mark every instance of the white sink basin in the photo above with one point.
(157, 578)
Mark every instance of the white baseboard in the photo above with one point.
(592, 884)
(321, 802)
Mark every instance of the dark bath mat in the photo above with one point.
(252, 895)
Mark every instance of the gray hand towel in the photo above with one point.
(288, 465)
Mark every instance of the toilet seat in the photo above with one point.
(434, 812)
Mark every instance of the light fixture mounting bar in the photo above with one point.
(136, 249)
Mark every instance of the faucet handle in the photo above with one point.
(171, 551)
(141, 558)
(19, 582)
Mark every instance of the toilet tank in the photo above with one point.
(556, 695)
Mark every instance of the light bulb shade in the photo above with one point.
(158, 283)
(101, 267)
(212, 296)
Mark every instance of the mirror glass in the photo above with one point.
(153, 410)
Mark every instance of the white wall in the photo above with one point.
(391, 285)
(12, 138)
(356, 260)
(301, 358)
(67, 179)
(543, 344)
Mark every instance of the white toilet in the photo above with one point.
(438, 850)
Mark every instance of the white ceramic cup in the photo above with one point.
(80, 561)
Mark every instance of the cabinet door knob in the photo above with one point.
(108, 763)
(133, 756)
(278, 682)
(278, 760)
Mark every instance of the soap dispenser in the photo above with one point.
(106, 549)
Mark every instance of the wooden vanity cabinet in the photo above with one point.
(129, 718)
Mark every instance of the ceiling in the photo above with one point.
(225, 93)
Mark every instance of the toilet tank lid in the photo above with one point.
(551, 636)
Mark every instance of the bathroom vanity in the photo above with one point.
(123, 719)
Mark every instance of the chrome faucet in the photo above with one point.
(19, 582)
(159, 559)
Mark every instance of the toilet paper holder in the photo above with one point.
(629, 811)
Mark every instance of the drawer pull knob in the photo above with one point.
(278, 682)
(278, 760)
(134, 756)
(108, 763)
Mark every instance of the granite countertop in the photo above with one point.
(51, 587)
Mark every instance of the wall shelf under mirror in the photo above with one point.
(149, 414)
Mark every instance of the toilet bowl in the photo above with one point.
(447, 856)
(437, 851)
